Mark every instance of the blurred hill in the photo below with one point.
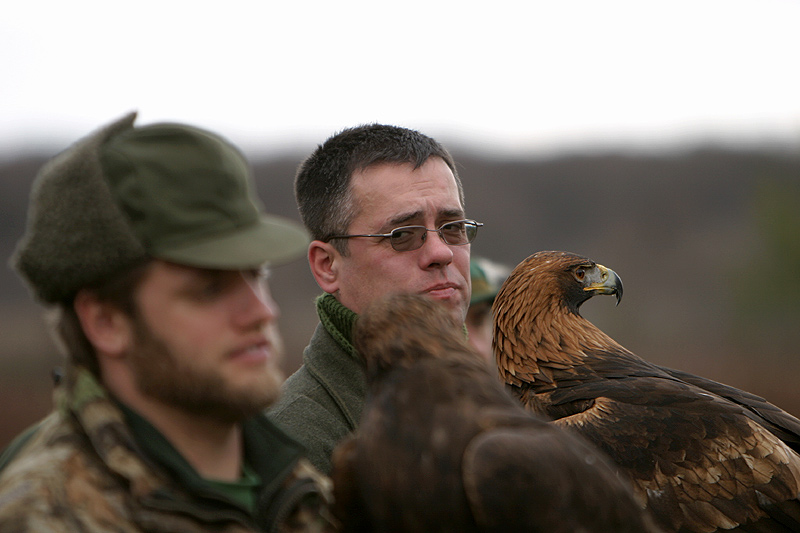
(706, 242)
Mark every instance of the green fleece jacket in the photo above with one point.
(321, 403)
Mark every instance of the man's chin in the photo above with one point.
(235, 400)
(261, 392)
(239, 407)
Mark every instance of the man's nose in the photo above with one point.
(435, 251)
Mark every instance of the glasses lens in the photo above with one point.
(471, 231)
(458, 232)
(407, 238)
(454, 233)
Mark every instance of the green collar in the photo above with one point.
(338, 320)
(159, 449)
(268, 456)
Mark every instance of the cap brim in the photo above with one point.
(271, 241)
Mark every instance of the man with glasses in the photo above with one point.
(385, 208)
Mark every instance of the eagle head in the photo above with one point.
(537, 323)
(565, 276)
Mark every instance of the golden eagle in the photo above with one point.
(702, 456)
(443, 447)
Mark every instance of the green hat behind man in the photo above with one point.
(487, 278)
(124, 194)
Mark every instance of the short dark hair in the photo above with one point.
(119, 291)
(322, 184)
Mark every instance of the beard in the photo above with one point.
(196, 389)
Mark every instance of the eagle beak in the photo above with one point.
(604, 281)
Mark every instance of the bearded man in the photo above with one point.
(150, 245)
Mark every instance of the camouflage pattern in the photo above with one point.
(79, 470)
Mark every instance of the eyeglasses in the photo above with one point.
(407, 238)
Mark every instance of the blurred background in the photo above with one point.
(661, 139)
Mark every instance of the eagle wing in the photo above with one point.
(561, 494)
(690, 453)
(780, 423)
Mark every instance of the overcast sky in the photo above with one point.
(527, 77)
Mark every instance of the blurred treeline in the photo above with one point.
(707, 243)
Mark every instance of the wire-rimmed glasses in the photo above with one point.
(407, 238)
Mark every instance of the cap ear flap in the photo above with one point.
(76, 233)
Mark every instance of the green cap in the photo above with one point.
(487, 278)
(167, 191)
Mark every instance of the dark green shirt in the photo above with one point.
(242, 493)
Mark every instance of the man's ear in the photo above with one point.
(106, 326)
(324, 261)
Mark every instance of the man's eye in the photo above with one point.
(210, 290)
(207, 287)
(453, 228)
(403, 234)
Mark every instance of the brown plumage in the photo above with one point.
(702, 456)
(443, 447)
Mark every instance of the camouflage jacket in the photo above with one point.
(80, 469)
